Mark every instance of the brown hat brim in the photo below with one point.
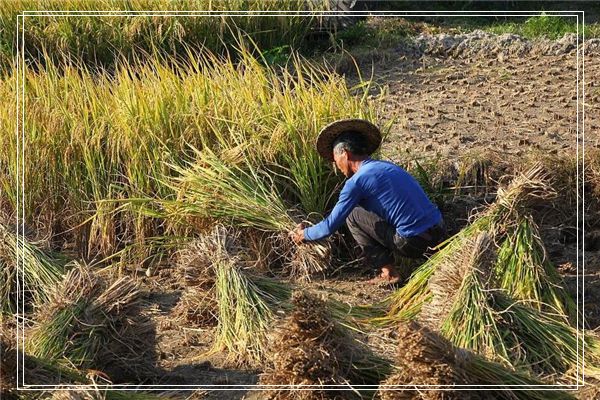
(331, 132)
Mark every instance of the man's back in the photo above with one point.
(393, 194)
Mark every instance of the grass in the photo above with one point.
(98, 134)
(99, 41)
(547, 26)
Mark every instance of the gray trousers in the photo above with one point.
(379, 241)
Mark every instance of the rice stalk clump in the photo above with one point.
(39, 271)
(248, 197)
(93, 323)
(244, 304)
(424, 357)
(525, 271)
(460, 305)
(311, 348)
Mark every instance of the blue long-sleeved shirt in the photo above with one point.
(387, 190)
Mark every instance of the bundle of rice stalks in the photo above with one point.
(459, 307)
(244, 304)
(91, 323)
(433, 367)
(311, 348)
(39, 271)
(245, 197)
(544, 343)
(247, 306)
(505, 212)
(524, 270)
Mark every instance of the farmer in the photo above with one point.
(383, 205)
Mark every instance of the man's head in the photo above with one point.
(360, 136)
(349, 148)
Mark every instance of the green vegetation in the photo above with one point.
(547, 26)
(109, 140)
(99, 41)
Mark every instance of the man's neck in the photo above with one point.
(356, 163)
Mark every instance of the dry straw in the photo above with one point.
(426, 358)
(310, 347)
(39, 270)
(91, 323)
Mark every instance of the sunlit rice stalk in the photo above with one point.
(542, 342)
(524, 270)
(98, 143)
(246, 306)
(460, 307)
(40, 272)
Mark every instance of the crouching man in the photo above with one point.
(386, 210)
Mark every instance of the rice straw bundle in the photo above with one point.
(311, 348)
(425, 358)
(245, 303)
(39, 271)
(460, 307)
(245, 197)
(524, 270)
(92, 324)
(544, 343)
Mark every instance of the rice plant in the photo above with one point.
(100, 141)
(244, 197)
(39, 271)
(101, 40)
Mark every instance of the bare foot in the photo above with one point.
(388, 276)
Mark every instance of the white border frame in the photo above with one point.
(21, 63)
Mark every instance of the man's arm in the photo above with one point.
(349, 197)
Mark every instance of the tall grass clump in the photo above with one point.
(99, 40)
(115, 137)
(39, 270)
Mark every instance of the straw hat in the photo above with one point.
(331, 132)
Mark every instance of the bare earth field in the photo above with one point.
(501, 99)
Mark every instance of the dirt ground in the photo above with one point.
(447, 96)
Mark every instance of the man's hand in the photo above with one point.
(297, 234)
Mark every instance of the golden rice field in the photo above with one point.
(159, 191)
